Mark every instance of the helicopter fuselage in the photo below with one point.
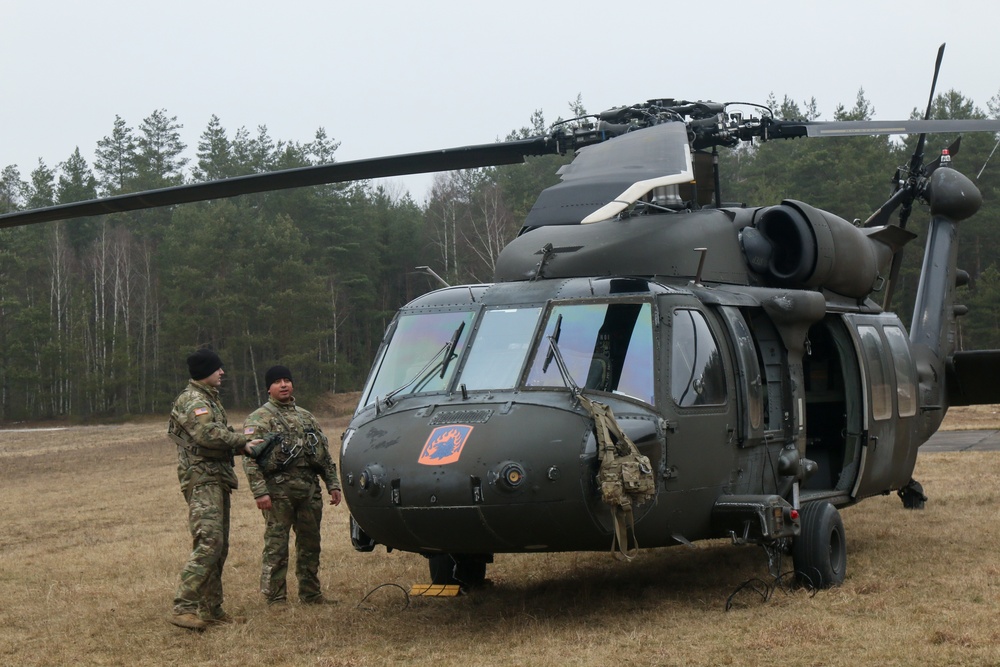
(747, 400)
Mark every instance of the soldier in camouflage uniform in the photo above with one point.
(206, 445)
(285, 487)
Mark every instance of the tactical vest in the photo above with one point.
(293, 452)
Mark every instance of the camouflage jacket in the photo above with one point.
(205, 442)
(304, 450)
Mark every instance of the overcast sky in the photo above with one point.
(398, 76)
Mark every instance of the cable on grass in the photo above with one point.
(766, 590)
(755, 584)
(406, 595)
(807, 581)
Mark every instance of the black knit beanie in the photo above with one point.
(275, 373)
(203, 363)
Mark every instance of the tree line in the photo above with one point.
(98, 314)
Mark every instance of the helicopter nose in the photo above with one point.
(520, 478)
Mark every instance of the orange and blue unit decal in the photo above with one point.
(444, 445)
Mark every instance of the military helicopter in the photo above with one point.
(651, 366)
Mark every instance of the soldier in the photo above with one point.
(284, 483)
(206, 445)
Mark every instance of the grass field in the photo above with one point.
(95, 536)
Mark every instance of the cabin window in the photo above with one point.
(497, 354)
(418, 352)
(605, 346)
(696, 373)
(906, 377)
(878, 381)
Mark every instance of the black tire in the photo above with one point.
(467, 571)
(470, 573)
(819, 553)
(442, 567)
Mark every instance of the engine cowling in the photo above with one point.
(798, 245)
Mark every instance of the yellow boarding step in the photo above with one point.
(435, 590)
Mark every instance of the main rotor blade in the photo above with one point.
(869, 127)
(466, 157)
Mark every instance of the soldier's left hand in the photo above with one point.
(335, 497)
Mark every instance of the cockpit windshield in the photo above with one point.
(498, 352)
(605, 346)
(422, 346)
(426, 348)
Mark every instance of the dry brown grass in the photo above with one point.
(94, 539)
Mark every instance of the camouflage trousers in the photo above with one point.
(296, 504)
(200, 589)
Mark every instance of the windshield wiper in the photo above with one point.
(555, 353)
(554, 338)
(452, 344)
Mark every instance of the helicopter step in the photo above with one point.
(834, 497)
(754, 519)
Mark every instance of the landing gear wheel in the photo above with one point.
(912, 495)
(819, 553)
(467, 571)
(442, 569)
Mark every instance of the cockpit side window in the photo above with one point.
(606, 347)
(697, 376)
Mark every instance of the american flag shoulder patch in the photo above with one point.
(249, 430)
(200, 411)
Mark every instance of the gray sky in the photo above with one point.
(394, 76)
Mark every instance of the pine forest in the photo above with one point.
(98, 314)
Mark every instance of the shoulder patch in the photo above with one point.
(249, 430)
(200, 411)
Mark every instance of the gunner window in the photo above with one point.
(906, 375)
(881, 393)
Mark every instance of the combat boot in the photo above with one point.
(188, 621)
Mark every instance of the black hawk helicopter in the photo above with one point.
(650, 366)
